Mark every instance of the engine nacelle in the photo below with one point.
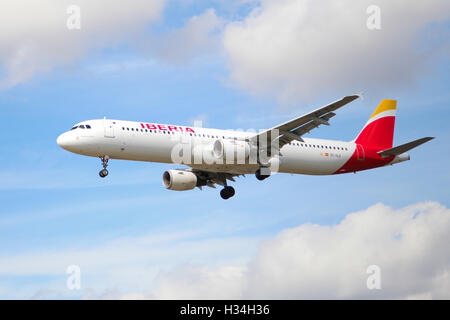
(232, 151)
(179, 180)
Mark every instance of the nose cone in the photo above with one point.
(64, 141)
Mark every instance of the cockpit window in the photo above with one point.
(82, 126)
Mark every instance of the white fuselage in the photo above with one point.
(130, 140)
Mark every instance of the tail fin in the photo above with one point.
(379, 130)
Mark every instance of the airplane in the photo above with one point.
(215, 157)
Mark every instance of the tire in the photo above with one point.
(224, 194)
(231, 191)
(227, 192)
(103, 173)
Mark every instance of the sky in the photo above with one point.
(239, 64)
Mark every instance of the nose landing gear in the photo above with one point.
(103, 173)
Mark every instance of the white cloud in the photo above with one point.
(191, 282)
(34, 37)
(198, 37)
(288, 48)
(410, 245)
(119, 265)
(296, 49)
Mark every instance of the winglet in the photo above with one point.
(361, 95)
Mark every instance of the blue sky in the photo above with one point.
(127, 232)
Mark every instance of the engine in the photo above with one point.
(232, 151)
(179, 180)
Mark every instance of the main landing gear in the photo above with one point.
(103, 173)
(262, 174)
(227, 192)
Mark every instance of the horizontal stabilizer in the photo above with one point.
(404, 147)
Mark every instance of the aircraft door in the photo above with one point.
(360, 154)
(109, 128)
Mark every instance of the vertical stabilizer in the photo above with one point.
(378, 132)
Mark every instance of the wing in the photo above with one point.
(295, 128)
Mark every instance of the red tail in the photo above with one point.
(378, 133)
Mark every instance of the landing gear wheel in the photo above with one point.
(261, 176)
(103, 173)
(227, 192)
